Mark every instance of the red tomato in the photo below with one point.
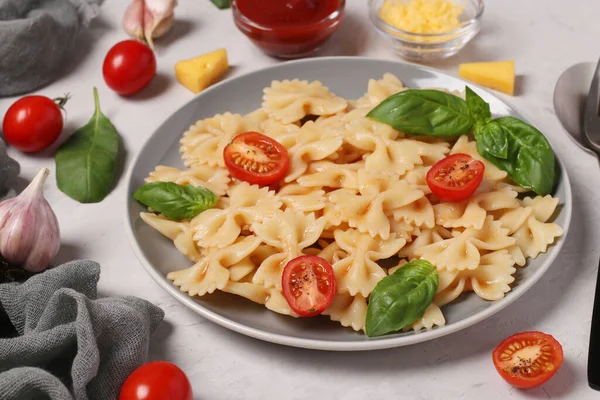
(157, 380)
(256, 159)
(528, 359)
(455, 177)
(33, 123)
(308, 285)
(129, 67)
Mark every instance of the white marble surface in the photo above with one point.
(543, 36)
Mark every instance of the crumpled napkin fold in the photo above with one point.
(66, 343)
(36, 39)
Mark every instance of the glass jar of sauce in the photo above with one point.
(288, 28)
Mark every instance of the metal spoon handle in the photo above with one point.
(593, 370)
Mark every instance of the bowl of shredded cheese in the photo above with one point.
(426, 30)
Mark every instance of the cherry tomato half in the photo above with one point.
(129, 67)
(528, 359)
(455, 177)
(308, 285)
(256, 158)
(33, 123)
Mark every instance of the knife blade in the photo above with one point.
(591, 130)
(591, 118)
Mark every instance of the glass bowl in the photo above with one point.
(422, 47)
(292, 40)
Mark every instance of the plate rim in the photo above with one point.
(363, 345)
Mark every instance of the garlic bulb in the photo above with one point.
(29, 232)
(149, 19)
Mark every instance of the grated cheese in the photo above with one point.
(422, 16)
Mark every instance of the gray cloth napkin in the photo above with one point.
(67, 344)
(36, 37)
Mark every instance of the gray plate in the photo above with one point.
(347, 77)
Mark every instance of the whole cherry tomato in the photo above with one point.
(129, 67)
(33, 123)
(157, 380)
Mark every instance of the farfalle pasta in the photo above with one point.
(355, 194)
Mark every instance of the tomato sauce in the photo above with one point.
(288, 28)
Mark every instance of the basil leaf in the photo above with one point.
(530, 160)
(86, 162)
(175, 201)
(425, 112)
(222, 4)
(492, 139)
(400, 299)
(479, 109)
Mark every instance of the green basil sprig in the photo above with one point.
(222, 4)
(86, 163)
(425, 112)
(509, 143)
(400, 299)
(175, 201)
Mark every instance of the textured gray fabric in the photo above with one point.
(9, 170)
(68, 344)
(36, 37)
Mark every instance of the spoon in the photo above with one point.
(570, 97)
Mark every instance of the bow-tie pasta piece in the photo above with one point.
(419, 213)
(463, 145)
(491, 236)
(350, 311)
(417, 178)
(543, 206)
(290, 101)
(385, 154)
(246, 267)
(359, 272)
(457, 253)
(368, 213)
(214, 179)
(426, 237)
(517, 255)
(534, 237)
(432, 317)
(205, 141)
(357, 123)
(515, 218)
(311, 147)
(254, 120)
(247, 204)
(271, 298)
(289, 232)
(179, 232)
(328, 174)
(379, 90)
(490, 281)
(331, 252)
(404, 230)
(211, 272)
(471, 213)
(300, 198)
(287, 135)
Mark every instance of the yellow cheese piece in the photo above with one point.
(200, 72)
(422, 16)
(498, 75)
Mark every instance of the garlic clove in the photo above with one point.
(133, 20)
(29, 230)
(158, 18)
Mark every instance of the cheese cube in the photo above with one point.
(198, 73)
(498, 75)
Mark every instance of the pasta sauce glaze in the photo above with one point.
(288, 27)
